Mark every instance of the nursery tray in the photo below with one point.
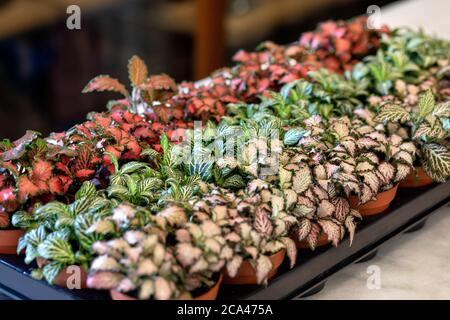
(410, 208)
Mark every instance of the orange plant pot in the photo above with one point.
(323, 241)
(373, 207)
(209, 295)
(9, 240)
(415, 179)
(63, 276)
(247, 274)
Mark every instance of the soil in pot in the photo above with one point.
(247, 274)
(323, 241)
(67, 277)
(416, 178)
(373, 207)
(9, 239)
(210, 294)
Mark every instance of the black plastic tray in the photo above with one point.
(410, 208)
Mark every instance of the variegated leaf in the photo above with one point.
(262, 222)
(366, 194)
(303, 229)
(426, 103)
(332, 230)
(402, 172)
(436, 161)
(326, 209)
(291, 250)
(387, 171)
(442, 110)
(371, 179)
(263, 267)
(313, 235)
(302, 180)
(393, 113)
(342, 208)
(350, 225)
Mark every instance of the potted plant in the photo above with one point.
(372, 163)
(255, 226)
(322, 216)
(138, 265)
(426, 127)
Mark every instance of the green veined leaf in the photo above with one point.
(149, 184)
(87, 190)
(118, 191)
(56, 249)
(22, 219)
(234, 182)
(150, 153)
(426, 103)
(436, 161)
(393, 113)
(132, 167)
(36, 236)
(51, 271)
(50, 210)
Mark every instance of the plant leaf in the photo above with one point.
(426, 103)
(436, 161)
(393, 113)
(137, 71)
(105, 83)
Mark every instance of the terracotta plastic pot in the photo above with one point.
(373, 207)
(247, 274)
(323, 241)
(9, 240)
(417, 178)
(64, 276)
(209, 295)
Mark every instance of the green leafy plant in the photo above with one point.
(427, 128)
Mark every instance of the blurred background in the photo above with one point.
(44, 65)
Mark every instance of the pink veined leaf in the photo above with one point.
(402, 172)
(187, 254)
(263, 267)
(163, 289)
(303, 229)
(342, 208)
(320, 172)
(313, 235)
(252, 251)
(233, 266)
(291, 250)
(104, 280)
(350, 146)
(320, 193)
(137, 71)
(366, 194)
(262, 222)
(326, 209)
(105, 83)
(367, 143)
(387, 170)
(301, 180)
(369, 156)
(332, 230)
(350, 225)
(371, 179)
(404, 157)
